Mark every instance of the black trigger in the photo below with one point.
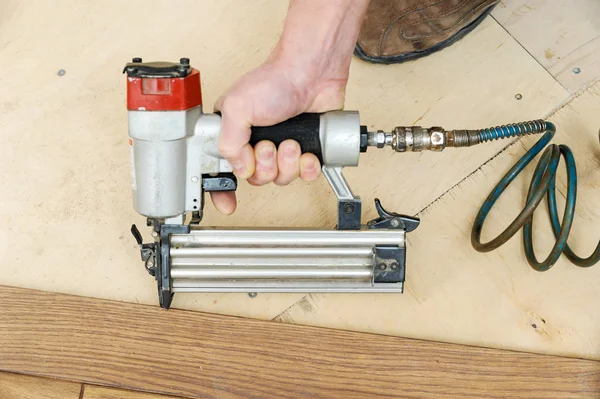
(219, 182)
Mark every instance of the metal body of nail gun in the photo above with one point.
(174, 160)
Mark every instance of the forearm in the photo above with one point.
(319, 37)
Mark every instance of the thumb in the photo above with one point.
(234, 138)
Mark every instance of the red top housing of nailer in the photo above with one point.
(162, 86)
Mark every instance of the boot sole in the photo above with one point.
(397, 59)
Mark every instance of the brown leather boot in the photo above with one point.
(395, 31)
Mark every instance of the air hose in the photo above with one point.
(417, 138)
(542, 184)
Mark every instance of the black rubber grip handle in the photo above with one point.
(303, 128)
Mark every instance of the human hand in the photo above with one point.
(270, 94)
(307, 72)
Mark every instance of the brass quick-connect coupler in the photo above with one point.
(417, 138)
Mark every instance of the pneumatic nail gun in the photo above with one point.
(175, 161)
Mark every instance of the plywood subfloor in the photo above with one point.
(66, 210)
(493, 299)
(563, 36)
(198, 355)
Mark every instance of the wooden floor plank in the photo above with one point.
(18, 386)
(185, 353)
(99, 392)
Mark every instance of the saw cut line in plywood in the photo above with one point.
(67, 210)
(493, 299)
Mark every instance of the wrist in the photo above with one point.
(317, 43)
(299, 68)
(311, 68)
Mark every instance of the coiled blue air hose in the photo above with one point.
(542, 184)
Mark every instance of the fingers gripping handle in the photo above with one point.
(336, 138)
(304, 129)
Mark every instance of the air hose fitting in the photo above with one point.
(417, 138)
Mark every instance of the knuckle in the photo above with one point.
(283, 180)
(231, 102)
(228, 149)
(259, 179)
(287, 171)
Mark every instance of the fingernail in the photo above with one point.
(310, 166)
(265, 156)
(290, 154)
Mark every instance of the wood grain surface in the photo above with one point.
(18, 386)
(99, 392)
(201, 355)
(22, 386)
